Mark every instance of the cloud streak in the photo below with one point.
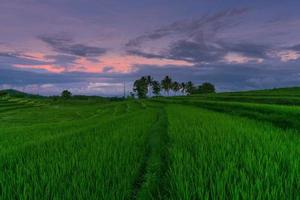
(11, 58)
(192, 28)
(65, 45)
(197, 40)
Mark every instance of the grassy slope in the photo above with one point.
(285, 96)
(280, 115)
(148, 150)
(283, 111)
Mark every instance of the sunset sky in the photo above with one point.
(93, 46)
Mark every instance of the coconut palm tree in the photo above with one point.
(156, 88)
(183, 88)
(149, 82)
(190, 88)
(175, 87)
(166, 84)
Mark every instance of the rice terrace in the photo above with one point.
(149, 100)
(209, 146)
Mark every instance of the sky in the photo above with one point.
(93, 47)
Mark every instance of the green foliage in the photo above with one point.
(140, 86)
(149, 80)
(166, 84)
(176, 86)
(190, 88)
(183, 87)
(156, 88)
(206, 88)
(66, 94)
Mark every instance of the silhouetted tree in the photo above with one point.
(156, 88)
(131, 95)
(146, 84)
(206, 88)
(66, 94)
(183, 88)
(176, 87)
(149, 82)
(166, 84)
(140, 86)
(149, 79)
(190, 88)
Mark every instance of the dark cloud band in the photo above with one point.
(64, 44)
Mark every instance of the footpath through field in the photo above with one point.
(151, 181)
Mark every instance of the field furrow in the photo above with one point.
(151, 182)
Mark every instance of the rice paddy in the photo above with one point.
(197, 147)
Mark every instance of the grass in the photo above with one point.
(218, 156)
(281, 100)
(280, 115)
(198, 147)
(151, 181)
(92, 161)
(290, 91)
(282, 96)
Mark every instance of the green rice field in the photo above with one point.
(243, 145)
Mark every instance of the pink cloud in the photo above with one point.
(127, 62)
(119, 63)
(288, 55)
(240, 59)
(49, 68)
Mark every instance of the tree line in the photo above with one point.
(146, 85)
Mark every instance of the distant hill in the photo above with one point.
(12, 92)
(19, 94)
(16, 93)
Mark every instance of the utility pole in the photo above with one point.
(38, 89)
(124, 90)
